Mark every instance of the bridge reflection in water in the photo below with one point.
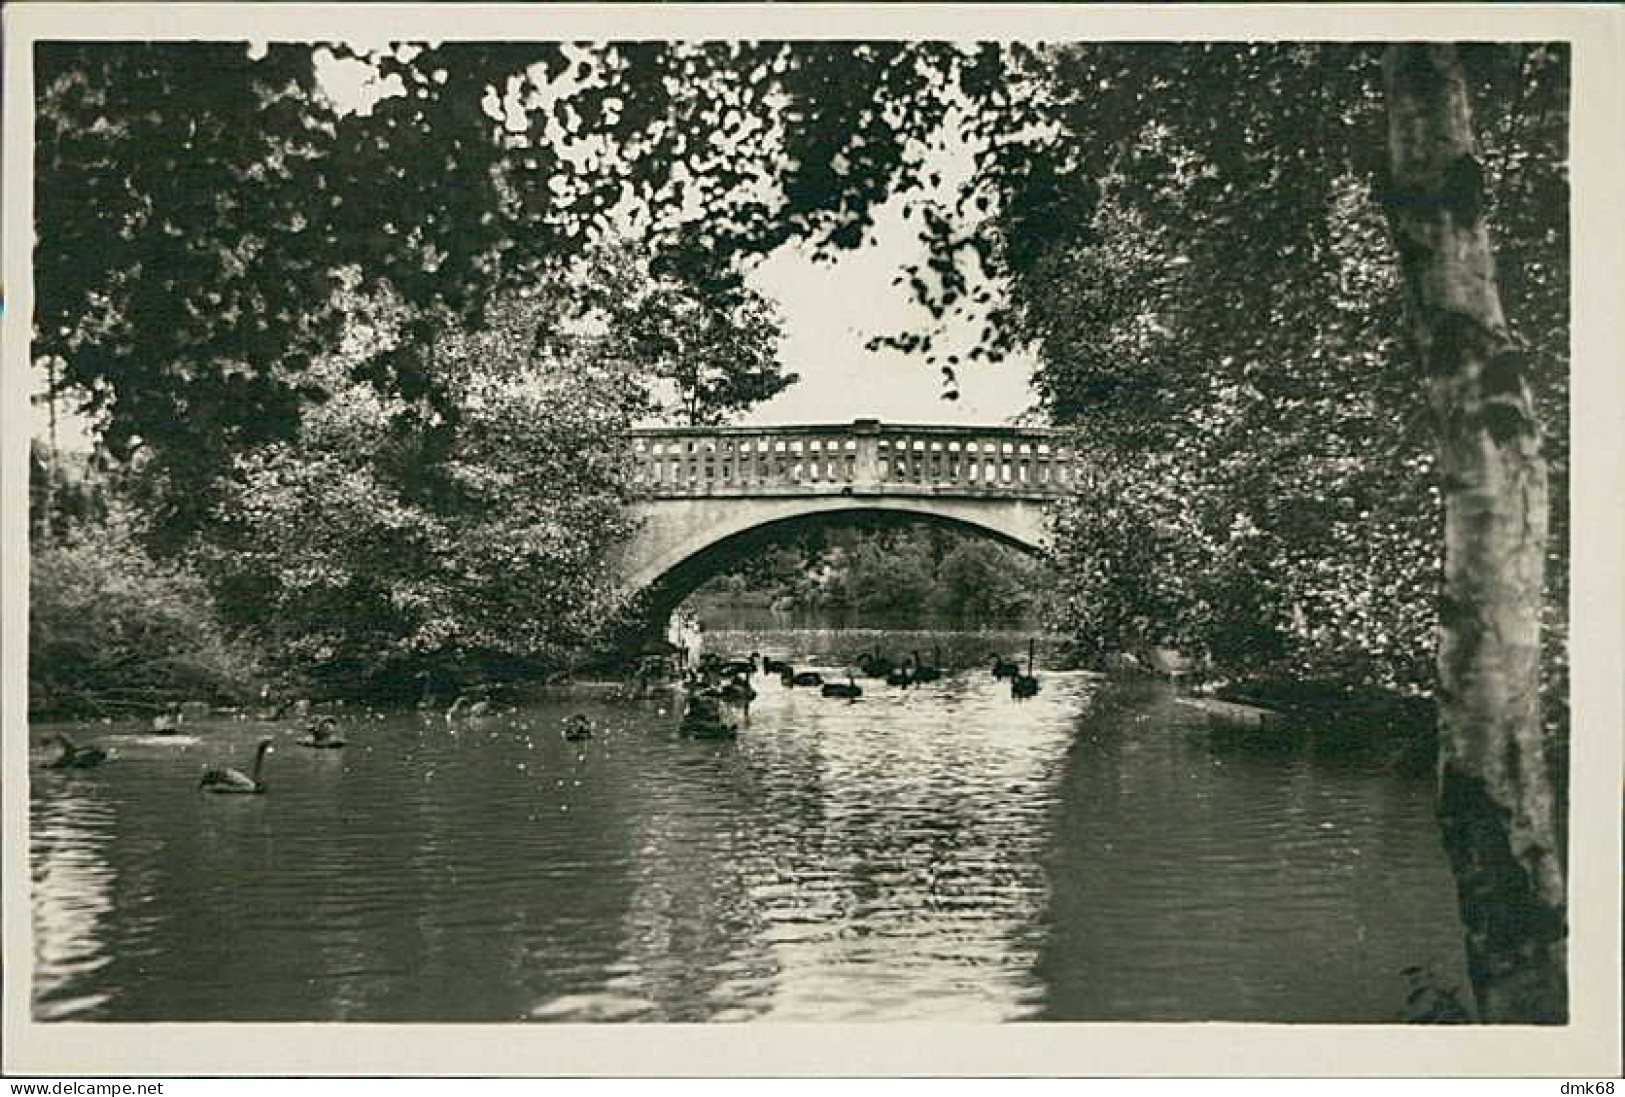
(712, 496)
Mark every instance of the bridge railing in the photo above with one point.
(862, 457)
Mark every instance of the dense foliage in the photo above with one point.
(177, 282)
(202, 205)
(1195, 245)
(114, 631)
(904, 575)
(1266, 494)
(705, 344)
(366, 368)
(370, 550)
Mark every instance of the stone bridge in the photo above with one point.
(713, 495)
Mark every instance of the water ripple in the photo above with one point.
(937, 853)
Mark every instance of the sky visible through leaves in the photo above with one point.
(831, 310)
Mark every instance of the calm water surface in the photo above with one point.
(937, 853)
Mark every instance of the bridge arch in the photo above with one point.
(710, 496)
(683, 550)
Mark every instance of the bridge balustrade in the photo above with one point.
(864, 457)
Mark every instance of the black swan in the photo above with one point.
(464, 707)
(232, 780)
(75, 757)
(323, 734)
(901, 676)
(849, 688)
(1004, 668)
(736, 690)
(1025, 685)
(874, 665)
(807, 678)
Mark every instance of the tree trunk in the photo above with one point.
(45, 524)
(1497, 802)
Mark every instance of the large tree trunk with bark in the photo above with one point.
(1498, 805)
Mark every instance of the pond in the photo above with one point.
(936, 853)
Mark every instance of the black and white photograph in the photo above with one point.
(687, 525)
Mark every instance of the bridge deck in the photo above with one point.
(862, 458)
